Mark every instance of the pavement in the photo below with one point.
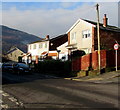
(108, 77)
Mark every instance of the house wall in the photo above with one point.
(63, 48)
(37, 51)
(14, 55)
(82, 43)
(107, 39)
(63, 52)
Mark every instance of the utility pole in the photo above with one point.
(98, 35)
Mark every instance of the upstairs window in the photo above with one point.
(86, 34)
(45, 44)
(30, 47)
(40, 45)
(73, 37)
(34, 46)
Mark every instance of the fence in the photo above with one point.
(90, 61)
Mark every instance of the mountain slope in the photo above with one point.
(12, 37)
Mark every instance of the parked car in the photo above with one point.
(21, 68)
(7, 67)
(18, 68)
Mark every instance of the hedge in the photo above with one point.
(54, 67)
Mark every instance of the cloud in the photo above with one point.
(41, 22)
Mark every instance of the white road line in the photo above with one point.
(17, 103)
(1, 101)
(21, 103)
(1, 91)
(5, 94)
(12, 99)
(4, 106)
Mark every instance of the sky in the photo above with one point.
(53, 18)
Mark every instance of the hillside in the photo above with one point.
(12, 37)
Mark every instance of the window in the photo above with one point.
(45, 44)
(34, 46)
(86, 34)
(30, 47)
(73, 36)
(40, 45)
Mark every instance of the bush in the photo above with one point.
(54, 67)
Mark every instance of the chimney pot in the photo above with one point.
(105, 20)
(47, 37)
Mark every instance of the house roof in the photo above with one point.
(107, 28)
(12, 50)
(55, 38)
(42, 40)
(52, 39)
(44, 53)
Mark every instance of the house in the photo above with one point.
(63, 54)
(14, 54)
(83, 36)
(46, 47)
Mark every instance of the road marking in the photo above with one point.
(1, 91)
(12, 99)
(21, 103)
(1, 101)
(17, 103)
(4, 106)
(5, 94)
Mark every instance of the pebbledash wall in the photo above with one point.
(91, 60)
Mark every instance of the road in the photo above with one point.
(43, 91)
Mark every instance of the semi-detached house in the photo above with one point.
(46, 47)
(83, 36)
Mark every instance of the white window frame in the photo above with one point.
(29, 47)
(86, 34)
(34, 46)
(46, 45)
(73, 37)
(41, 45)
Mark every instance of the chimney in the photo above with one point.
(105, 21)
(47, 37)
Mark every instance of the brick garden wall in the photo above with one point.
(91, 60)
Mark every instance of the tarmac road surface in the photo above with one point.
(39, 91)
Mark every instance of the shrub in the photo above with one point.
(55, 67)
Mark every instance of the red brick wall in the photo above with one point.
(91, 60)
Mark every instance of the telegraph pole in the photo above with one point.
(98, 34)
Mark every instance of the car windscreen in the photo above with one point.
(7, 64)
(23, 65)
